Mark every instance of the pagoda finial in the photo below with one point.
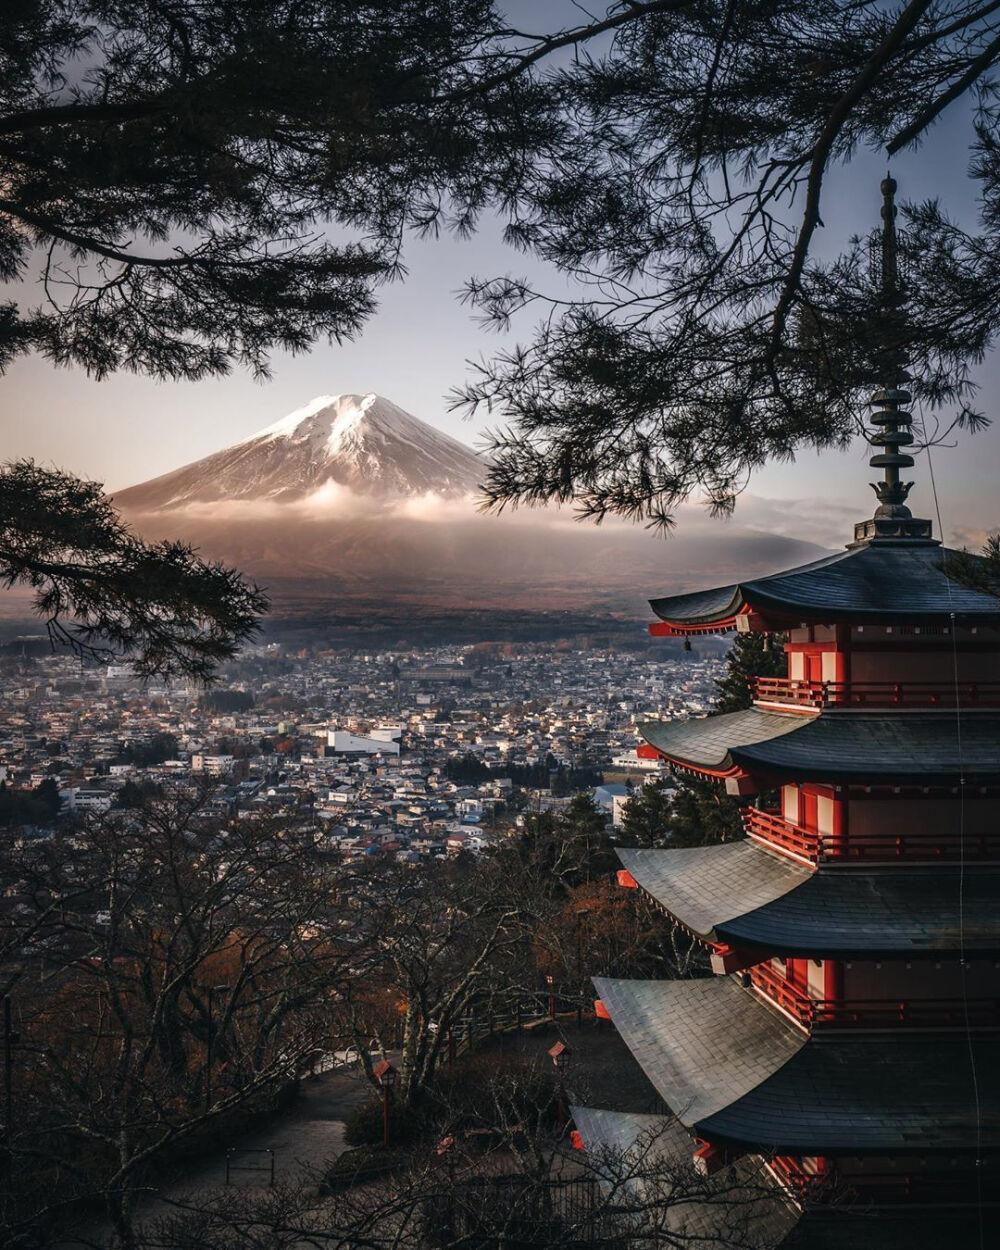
(892, 519)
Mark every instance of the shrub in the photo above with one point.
(365, 1163)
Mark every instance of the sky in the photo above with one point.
(418, 347)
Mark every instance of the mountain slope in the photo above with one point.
(365, 443)
(350, 501)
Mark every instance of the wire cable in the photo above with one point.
(963, 962)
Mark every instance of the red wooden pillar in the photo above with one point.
(838, 839)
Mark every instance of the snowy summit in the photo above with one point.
(363, 442)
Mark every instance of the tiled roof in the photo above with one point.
(913, 746)
(889, 911)
(741, 893)
(703, 1044)
(860, 746)
(652, 1156)
(731, 1069)
(623, 1131)
(891, 1093)
(736, 1207)
(707, 885)
(884, 581)
(707, 741)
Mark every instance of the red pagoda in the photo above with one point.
(849, 1044)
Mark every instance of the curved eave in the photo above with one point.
(700, 610)
(646, 1153)
(682, 1034)
(878, 583)
(914, 748)
(744, 896)
(705, 744)
(734, 1072)
(703, 888)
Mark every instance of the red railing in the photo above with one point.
(787, 996)
(932, 844)
(914, 1013)
(873, 1013)
(772, 827)
(960, 1186)
(875, 694)
(924, 1184)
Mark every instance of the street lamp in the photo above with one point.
(385, 1074)
(550, 981)
(559, 1054)
(209, 1045)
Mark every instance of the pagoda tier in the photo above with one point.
(748, 1198)
(913, 748)
(860, 1034)
(739, 1074)
(741, 895)
(886, 581)
(649, 1156)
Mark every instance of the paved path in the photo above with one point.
(304, 1137)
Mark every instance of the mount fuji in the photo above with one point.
(362, 442)
(351, 508)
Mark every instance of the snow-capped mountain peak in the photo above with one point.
(363, 442)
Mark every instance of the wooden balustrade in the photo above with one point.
(873, 1013)
(771, 826)
(876, 694)
(768, 825)
(773, 986)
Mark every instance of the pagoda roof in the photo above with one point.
(882, 581)
(734, 1072)
(769, 1219)
(909, 748)
(744, 895)
(704, 1044)
(659, 1148)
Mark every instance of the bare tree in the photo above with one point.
(523, 1186)
(166, 973)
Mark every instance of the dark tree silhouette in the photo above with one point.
(172, 168)
(102, 591)
(197, 185)
(647, 815)
(688, 197)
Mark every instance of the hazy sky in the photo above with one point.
(416, 348)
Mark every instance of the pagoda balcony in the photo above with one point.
(815, 695)
(820, 1014)
(873, 1187)
(770, 827)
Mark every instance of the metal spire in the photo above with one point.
(892, 519)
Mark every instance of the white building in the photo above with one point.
(81, 799)
(382, 741)
(214, 765)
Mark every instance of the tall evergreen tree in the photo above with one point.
(751, 656)
(699, 812)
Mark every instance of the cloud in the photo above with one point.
(827, 523)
